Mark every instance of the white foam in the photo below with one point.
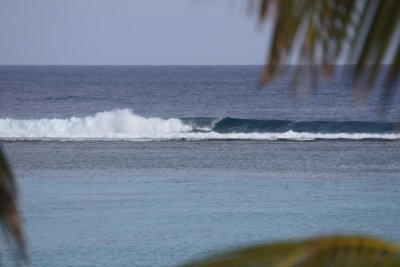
(123, 124)
(289, 135)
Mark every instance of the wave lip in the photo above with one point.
(227, 125)
(123, 124)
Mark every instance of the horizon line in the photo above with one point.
(177, 65)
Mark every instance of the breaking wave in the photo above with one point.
(123, 124)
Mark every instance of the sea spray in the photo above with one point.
(108, 124)
(123, 124)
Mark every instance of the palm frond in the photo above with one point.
(327, 251)
(322, 32)
(10, 220)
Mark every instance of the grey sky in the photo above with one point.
(131, 32)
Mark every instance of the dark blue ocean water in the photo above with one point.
(181, 91)
(157, 166)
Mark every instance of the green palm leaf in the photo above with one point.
(368, 30)
(329, 251)
(10, 220)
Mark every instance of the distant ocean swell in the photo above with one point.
(123, 124)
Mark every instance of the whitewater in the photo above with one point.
(124, 124)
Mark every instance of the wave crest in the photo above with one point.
(120, 123)
(123, 124)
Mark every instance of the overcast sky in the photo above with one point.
(134, 32)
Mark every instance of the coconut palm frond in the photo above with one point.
(328, 251)
(10, 220)
(366, 32)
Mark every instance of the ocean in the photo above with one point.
(162, 165)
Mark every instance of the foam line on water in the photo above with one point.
(290, 135)
(108, 124)
(123, 124)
